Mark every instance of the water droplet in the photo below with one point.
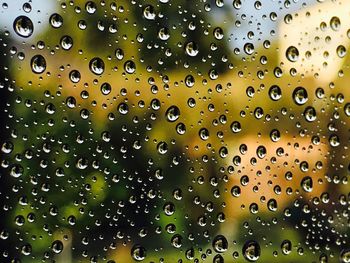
(251, 251)
(341, 51)
(248, 48)
(172, 113)
(23, 26)
(218, 259)
(300, 95)
(56, 20)
(97, 66)
(163, 34)
(272, 205)
(26, 249)
(74, 76)
(130, 66)
(347, 109)
(218, 33)
(220, 244)
(66, 42)
(236, 191)
(181, 128)
(345, 255)
(71, 102)
(57, 246)
(204, 134)
(275, 93)
(27, 7)
(176, 241)
(189, 81)
(292, 54)
(38, 64)
(334, 140)
(90, 7)
(335, 23)
(119, 53)
(191, 49)
(106, 88)
(138, 253)
(169, 208)
(310, 114)
(162, 147)
(123, 108)
(306, 184)
(149, 13)
(286, 247)
(236, 127)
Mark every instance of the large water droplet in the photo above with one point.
(251, 251)
(300, 95)
(292, 54)
(138, 253)
(345, 255)
(38, 64)
(172, 113)
(220, 244)
(57, 246)
(130, 66)
(56, 20)
(23, 26)
(191, 49)
(286, 247)
(97, 66)
(66, 42)
(149, 13)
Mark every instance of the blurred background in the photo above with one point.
(174, 131)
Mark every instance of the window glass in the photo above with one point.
(174, 131)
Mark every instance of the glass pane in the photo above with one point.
(174, 131)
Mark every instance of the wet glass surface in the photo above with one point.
(174, 131)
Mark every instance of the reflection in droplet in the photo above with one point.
(97, 66)
(38, 64)
(286, 247)
(56, 20)
(66, 42)
(138, 252)
(191, 49)
(23, 26)
(220, 244)
(251, 251)
(57, 246)
(292, 54)
(130, 66)
(172, 113)
(300, 95)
